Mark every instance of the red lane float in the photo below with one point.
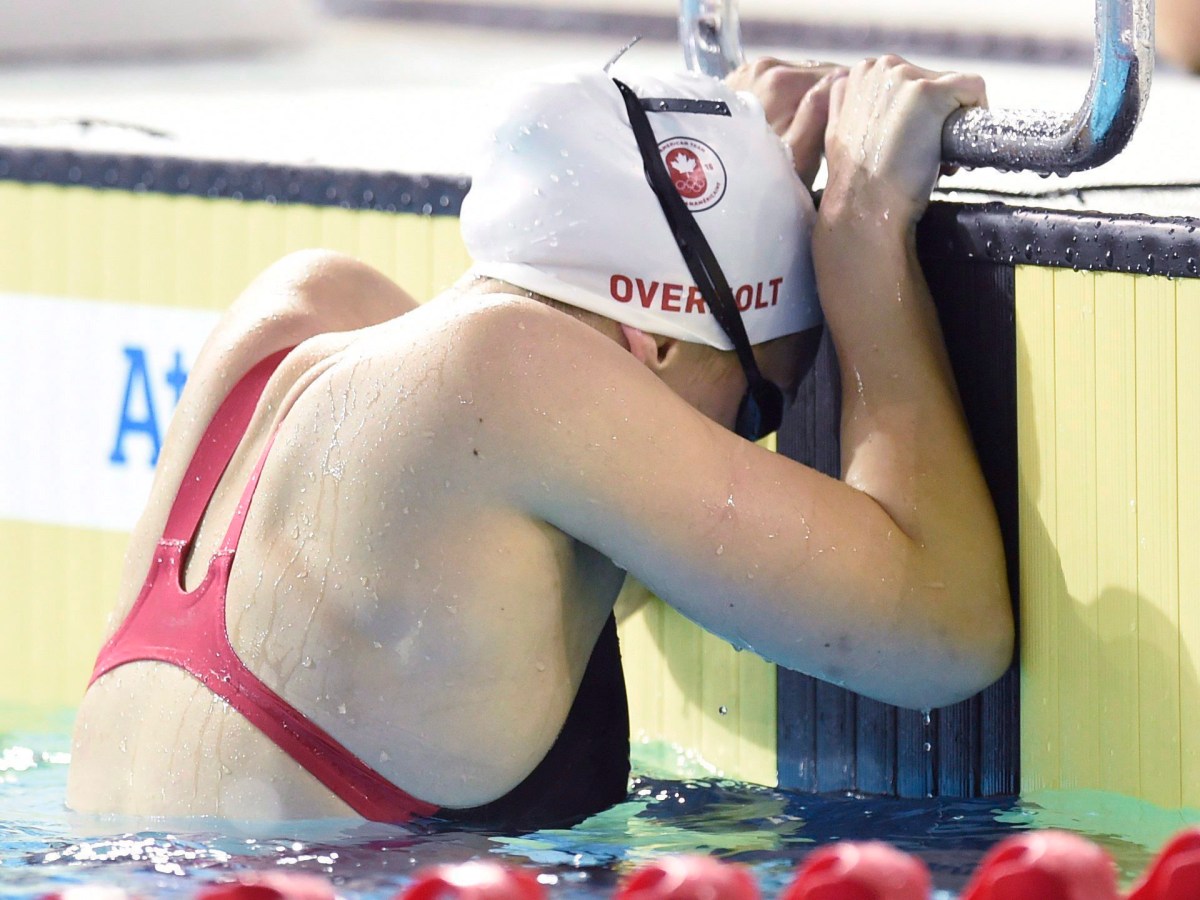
(474, 881)
(860, 871)
(271, 886)
(1048, 865)
(1175, 872)
(1036, 865)
(689, 878)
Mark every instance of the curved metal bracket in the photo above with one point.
(711, 36)
(1098, 131)
(1001, 139)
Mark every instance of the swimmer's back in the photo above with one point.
(379, 562)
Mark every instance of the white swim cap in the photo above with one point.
(560, 205)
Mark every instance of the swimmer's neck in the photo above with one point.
(471, 284)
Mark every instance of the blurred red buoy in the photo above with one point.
(474, 881)
(860, 871)
(1048, 865)
(271, 886)
(89, 892)
(689, 878)
(1175, 872)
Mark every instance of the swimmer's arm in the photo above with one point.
(904, 439)
(807, 571)
(304, 294)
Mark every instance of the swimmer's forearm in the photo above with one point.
(905, 442)
(879, 310)
(901, 421)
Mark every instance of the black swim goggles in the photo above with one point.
(761, 409)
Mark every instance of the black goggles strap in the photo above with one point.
(697, 254)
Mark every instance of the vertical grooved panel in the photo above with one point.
(1157, 544)
(190, 249)
(58, 581)
(1116, 532)
(915, 731)
(379, 243)
(1040, 579)
(875, 728)
(267, 237)
(233, 265)
(1074, 423)
(836, 747)
(1187, 329)
(639, 617)
(680, 647)
(718, 690)
(16, 236)
(1109, 429)
(414, 263)
(116, 269)
(449, 256)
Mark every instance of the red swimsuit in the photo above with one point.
(585, 771)
(187, 629)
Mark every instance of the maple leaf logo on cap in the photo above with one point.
(696, 171)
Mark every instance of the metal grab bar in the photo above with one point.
(711, 36)
(1043, 142)
(1003, 139)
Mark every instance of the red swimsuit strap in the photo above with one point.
(187, 628)
(216, 448)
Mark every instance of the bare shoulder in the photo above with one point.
(312, 297)
(305, 293)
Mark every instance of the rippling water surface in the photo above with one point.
(43, 848)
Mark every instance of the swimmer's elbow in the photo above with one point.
(970, 647)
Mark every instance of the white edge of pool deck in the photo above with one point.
(403, 96)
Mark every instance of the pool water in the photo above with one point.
(44, 848)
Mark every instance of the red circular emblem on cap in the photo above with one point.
(696, 171)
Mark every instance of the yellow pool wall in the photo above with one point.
(1108, 390)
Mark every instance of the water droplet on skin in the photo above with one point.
(541, 666)
(416, 564)
(720, 549)
(307, 662)
(341, 709)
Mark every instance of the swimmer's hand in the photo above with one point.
(883, 140)
(796, 99)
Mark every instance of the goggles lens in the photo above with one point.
(760, 412)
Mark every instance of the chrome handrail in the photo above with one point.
(1033, 140)
(711, 36)
(1045, 142)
